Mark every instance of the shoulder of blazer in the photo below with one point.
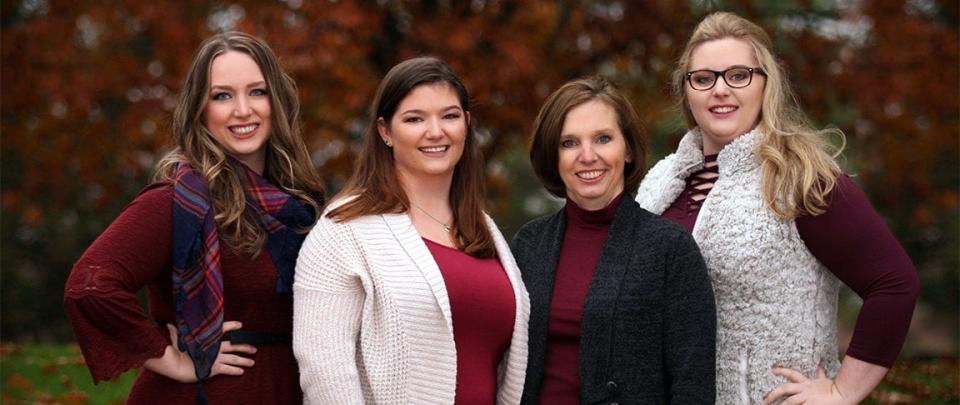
(648, 228)
(537, 226)
(534, 231)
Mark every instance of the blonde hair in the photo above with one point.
(288, 165)
(798, 169)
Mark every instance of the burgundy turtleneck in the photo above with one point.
(579, 254)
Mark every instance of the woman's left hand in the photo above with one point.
(802, 390)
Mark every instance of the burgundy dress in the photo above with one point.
(853, 242)
(116, 334)
(483, 311)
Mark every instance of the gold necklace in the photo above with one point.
(443, 224)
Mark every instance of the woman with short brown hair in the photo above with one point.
(621, 309)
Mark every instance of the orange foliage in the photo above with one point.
(88, 90)
(18, 382)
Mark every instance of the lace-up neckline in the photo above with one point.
(700, 183)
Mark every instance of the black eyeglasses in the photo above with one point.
(736, 77)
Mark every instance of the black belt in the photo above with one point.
(257, 338)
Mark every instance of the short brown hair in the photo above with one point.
(545, 142)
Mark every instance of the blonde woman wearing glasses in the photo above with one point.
(779, 226)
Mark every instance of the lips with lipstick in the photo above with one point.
(243, 131)
(434, 149)
(590, 174)
(723, 109)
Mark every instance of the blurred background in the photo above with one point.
(88, 89)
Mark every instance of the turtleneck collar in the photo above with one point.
(582, 218)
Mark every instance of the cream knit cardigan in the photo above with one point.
(776, 304)
(371, 317)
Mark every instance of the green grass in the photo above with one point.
(48, 374)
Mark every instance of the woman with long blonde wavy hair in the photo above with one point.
(779, 226)
(213, 241)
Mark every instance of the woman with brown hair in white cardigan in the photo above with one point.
(405, 292)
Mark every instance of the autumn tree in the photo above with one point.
(88, 90)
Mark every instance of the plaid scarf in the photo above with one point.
(197, 274)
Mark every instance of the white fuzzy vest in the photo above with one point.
(776, 304)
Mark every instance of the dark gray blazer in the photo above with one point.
(648, 333)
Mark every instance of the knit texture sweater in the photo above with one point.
(372, 321)
(648, 326)
(776, 304)
(579, 254)
(116, 334)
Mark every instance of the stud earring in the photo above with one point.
(389, 144)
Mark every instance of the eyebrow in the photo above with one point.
(417, 111)
(726, 68)
(592, 133)
(226, 87)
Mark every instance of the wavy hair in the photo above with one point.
(287, 163)
(374, 182)
(797, 162)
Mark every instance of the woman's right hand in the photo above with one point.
(178, 365)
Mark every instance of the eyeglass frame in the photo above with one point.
(723, 74)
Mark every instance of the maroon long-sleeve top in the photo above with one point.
(116, 334)
(483, 310)
(853, 242)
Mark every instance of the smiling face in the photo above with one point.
(592, 155)
(237, 113)
(723, 113)
(427, 132)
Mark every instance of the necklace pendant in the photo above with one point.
(443, 224)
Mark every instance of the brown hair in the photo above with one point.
(287, 164)
(545, 142)
(798, 168)
(374, 182)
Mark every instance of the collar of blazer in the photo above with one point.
(615, 251)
